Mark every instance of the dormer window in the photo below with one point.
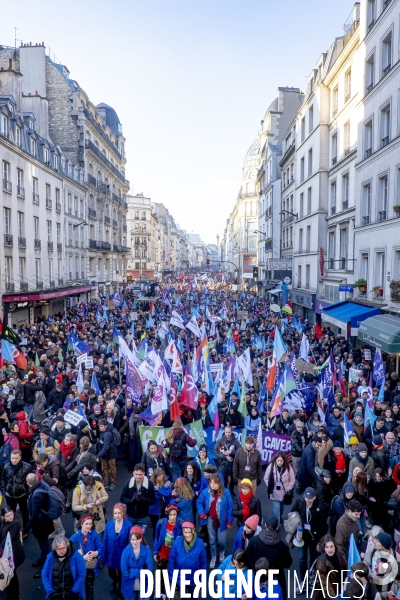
(45, 155)
(55, 161)
(18, 136)
(33, 147)
(30, 123)
(5, 126)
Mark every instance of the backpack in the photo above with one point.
(178, 447)
(312, 573)
(5, 453)
(56, 502)
(116, 437)
(19, 395)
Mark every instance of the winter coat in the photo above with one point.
(83, 458)
(367, 468)
(50, 447)
(161, 530)
(286, 479)
(107, 449)
(318, 516)
(330, 578)
(282, 425)
(39, 407)
(51, 472)
(138, 503)
(344, 528)
(150, 463)
(56, 399)
(306, 474)
(224, 444)
(188, 441)
(324, 494)
(268, 544)
(251, 424)
(113, 544)
(92, 543)
(14, 529)
(131, 567)
(78, 572)
(12, 439)
(59, 434)
(193, 560)
(252, 459)
(69, 461)
(254, 506)
(81, 498)
(26, 431)
(379, 458)
(30, 390)
(224, 508)
(333, 423)
(185, 508)
(13, 484)
(371, 432)
(227, 565)
(163, 497)
(38, 505)
(299, 442)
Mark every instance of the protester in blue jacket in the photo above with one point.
(135, 557)
(55, 582)
(163, 542)
(215, 510)
(250, 528)
(187, 552)
(234, 563)
(182, 496)
(115, 540)
(163, 491)
(263, 564)
(88, 544)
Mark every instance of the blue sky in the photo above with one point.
(189, 79)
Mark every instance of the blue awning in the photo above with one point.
(341, 313)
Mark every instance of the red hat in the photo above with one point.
(136, 529)
(203, 401)
(252, 522)
(188, 524)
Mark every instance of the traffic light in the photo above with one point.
(208, 261)
(255, 272)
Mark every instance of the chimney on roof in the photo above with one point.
(10, 63)
(36, 93)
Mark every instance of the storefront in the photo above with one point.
(345, 317)
(137, 275)
(383, 331)
(303, 305)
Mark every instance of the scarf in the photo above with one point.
(67, 449)
(340, 463)
(361, 459)
(245, 500)
(189, 546)
(323, 452)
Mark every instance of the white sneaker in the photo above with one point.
(212, 562)
(222, 556)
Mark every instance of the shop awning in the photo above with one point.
(382, 331)
(341, 313)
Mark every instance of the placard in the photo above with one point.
(81, 359)
(73, 418)
(353, 375)
(367, 354)
(89, 362)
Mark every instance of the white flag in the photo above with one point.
(147, 367)
(159, 401)
(304, 348)
(193, 326)
(126, 354)
(8, 553)
(176, 320)
(244, 363)
(79, 381)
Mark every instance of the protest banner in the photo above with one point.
(158, 434)
(272, 443)
(89, 362)
(73, 418)
(81, 359)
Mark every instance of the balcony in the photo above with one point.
(382, 215)
(23, 286)
(107, 220)
(58, 207)
(50, 246)
(7, 187)
(90, 146)
(37, 244)
(115, 223)
(103, 187)
(39, 285)
(92, 180)
(345, 204)
(49, 203)
(368, 152)
(35, 198)
(92, 213)
(59, 247)
(20, 192)
(334, 161)
(124, 228)
(21, 242)
(366, 220)
(10, 287)
(386, 70)
(99, 245)
(386, 4)
(115, 197)
(347, 150)
(370, 88)
(8, 239)
(385, 141)
(333, 210)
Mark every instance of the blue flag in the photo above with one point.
(261, 399)
(348, 430)
(77, 345)
(94, 384)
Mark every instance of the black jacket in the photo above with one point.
(151, 464)
(324, 493)
(298, 444)
(138, 502)
(38, 505)
(56, 399)
(317, 521)
(14, 529)
(30, 391)
(14, 484)
(268, 544)
(254, 505)
(107, 449)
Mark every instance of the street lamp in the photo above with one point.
(288, 212)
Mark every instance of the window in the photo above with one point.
(303, 129)
(144, 215)
(335, 100)
(18, 136)
(385, 125)
(333, 198)
(58, 196)
(370, 73)
(299, 276)
(21, 224)
(49, 231)
(366, 204)
(50, 270)
(48, 191)
(5, 126)
(37, 270)
(310, 119)
(302, 170)
(310, 159)
(368, 138)
(20, 179)
(55, 161)
(345, 192)
(33, 147)
(301, 205)
(36, 227)
(35, 190)
(58, 230)
(308, 238)
(346, 132)
(309, 191)
(300, 241)
(81, 212)
(136, 214)
(22, 269)
(7, 221)
(383, 198)
(371, 12)
(380, 270)
(6, 173)
(8, 269)
(387, 54)
(307, 286)
(45, 155)
(347, 85)
(343, 242)
(334, 149)
(75, 206)
(331, 292)
(364, 266)
(70, 203)
(331, 249)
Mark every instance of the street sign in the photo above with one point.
(345, 288)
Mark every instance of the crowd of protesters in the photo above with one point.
(175, 508)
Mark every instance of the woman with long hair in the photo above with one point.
(330, 564)
(67, 454)
(279, 479)
(88, 543)
(115, 540)
(182, 496)
(163, 491)
(9, 523)
(167, 531)
(215, 510)
(135, 557)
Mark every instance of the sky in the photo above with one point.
(190, 81)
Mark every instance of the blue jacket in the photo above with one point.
(185, 508)
(180, 559)
(161, 492)
(227, 565)
(93, 543)
(237, 543)
(224, 508)
(161, 530)
(114, 545)
(333, 423)
(209, 462)
(276, 589)
(306, 475)
(131, 567)
(251, 425)
(78, 572)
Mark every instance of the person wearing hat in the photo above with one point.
(245, 503)
(314, 521)
(188, 552)
(347, 525)
(380, 554)
(60, 428)
(88, 543)
(45, 444)
(378, 428)
(358, 425)
(167, 531)
(299, 440)
(324, 490)
(30, 389)
(362, 460)
(307, 474)
(56, 398)
(268, 544)
(337, 464)
(248, 463)
(202, 459)
(135, 557)
(379, 453)
(250, 528)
